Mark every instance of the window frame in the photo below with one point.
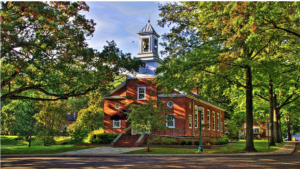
(218, 121)
(114, 121)
(116, 105)
(170, 102)
(208, 119)
(190, 121)
(196, 121)
(214, 121)
(138, 93)
(173, 121)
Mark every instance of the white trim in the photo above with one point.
(190, 119)
(114, 97)
(114, 124)
(214, 121)
(171, 105)
(118, 106)
(196, 119)
(208, 119)
(117, 88)
(171, 95)
(205, 102)
(138, 93)
(218, 121)
(173, 122)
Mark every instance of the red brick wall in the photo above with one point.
(109, 110)
(133, 84)
(179, 111)
(120, 92)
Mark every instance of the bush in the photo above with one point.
(168, 141)
(156, 140)
(189, 142)
(182, 142)
(213, 142)
(104, 138)
(196, 142)
(93, 133)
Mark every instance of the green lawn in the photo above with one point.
(8, 149)
(260, 145)
(11, 146)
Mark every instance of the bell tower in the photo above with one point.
(148, 53)
(148, 43)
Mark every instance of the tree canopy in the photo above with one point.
(45, 56)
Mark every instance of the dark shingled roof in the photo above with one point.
(148, 29)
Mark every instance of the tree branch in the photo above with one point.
(6, 81)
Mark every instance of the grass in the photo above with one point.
(6, 149)
(260, 145)
(9, 145)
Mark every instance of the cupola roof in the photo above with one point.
(148, 29)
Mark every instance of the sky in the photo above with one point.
(121, 21)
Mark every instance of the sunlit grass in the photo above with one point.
(260, 145)
(6, 149)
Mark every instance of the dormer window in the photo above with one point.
(141, 93)
(146, 45)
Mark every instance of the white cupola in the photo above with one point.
(148, 43)
(148, 53)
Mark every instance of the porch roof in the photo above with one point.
(120, 115)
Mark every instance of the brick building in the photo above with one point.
(140, 87)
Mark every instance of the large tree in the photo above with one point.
(221, 39)
(44, 49)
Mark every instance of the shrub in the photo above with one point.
(213, 142)
(168, 141)
(156, 140)
(104, 138)
(196, 142)
(93, 133)
(182, 142)
(189, 142)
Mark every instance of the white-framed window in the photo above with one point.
(170, 121)
(190, 121)
(196, 117)
(208, 119)
(218, 121)
(221, 126)
(117, 105)
(256, 131)
(202, 117)
(116, 123)
(141, 93)
(170, 104)
(214, 120)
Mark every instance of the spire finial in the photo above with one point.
(149, 18)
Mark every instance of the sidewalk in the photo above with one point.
(287, 149)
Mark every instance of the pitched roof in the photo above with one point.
(148, 29)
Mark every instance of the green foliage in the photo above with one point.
(104, 138)
(189, 142)
(163, 141)
(88, 119)
(196, 142)
(44, 52)
(182, 142)
(95, 132)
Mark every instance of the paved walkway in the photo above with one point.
(103, 150)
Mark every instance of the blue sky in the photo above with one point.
(121, 21)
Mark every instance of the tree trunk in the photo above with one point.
(279, 132)
(271, 111)
(249, 112)
(275, 118)
(289, 129)
(148, 145)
